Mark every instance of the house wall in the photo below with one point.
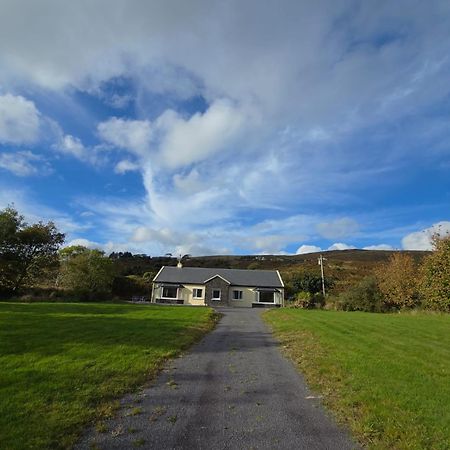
(249, 295)
(188, 294)
(185, 293)
(217, 283)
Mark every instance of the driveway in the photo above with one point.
(233, 390)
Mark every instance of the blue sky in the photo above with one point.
(209, 127)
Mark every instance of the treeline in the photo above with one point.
(34, 266)
(401, 283)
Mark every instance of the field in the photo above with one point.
(64, 365)
(385, 376)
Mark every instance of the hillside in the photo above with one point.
(345, 266)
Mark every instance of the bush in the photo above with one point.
(307, 300)
(364, 296)
(398, 282)
(435, 276)
(88, 274)
(126, 287)
(312, 283)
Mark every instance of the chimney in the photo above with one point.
(180, 265)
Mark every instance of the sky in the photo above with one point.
(228, 127)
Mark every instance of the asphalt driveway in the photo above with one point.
(233, 390)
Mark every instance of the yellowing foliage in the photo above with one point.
(397, 281)
(435, 280)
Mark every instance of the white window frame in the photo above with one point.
(195, 293)
(216, 299)
(169, 298)
(267, 303)
(240, 296)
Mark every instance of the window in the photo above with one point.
(237, 295)
(216, 294)
(169, 292)
(266, 297)
(198, 293)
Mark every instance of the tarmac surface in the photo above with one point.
(233, 390)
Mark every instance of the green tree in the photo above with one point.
(435, 279)
(89, 274)
(312, 283)
(27, 252)
(398, 281)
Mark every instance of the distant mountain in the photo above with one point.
(345, 266)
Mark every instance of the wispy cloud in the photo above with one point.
(285, 134)
(24, 163)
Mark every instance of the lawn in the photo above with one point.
(385, 376)
(63, 366)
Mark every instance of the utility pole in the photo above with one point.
(320, 261)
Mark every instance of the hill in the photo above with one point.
(345, 266)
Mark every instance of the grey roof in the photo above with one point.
(237, 277)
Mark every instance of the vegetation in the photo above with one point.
(27, 251)
(376, 281)
(435, 282)
(88, 274)
(383, 375)
(397, 281)
(364, 296)
(63, 365)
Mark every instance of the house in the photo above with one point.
(218, 287)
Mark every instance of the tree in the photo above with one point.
(26, 251)
(398, 281)
(87, 273)
(435, 275)
(312, 283)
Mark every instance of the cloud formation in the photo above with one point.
(339, 228)
(247, 140)
(421, 240)
(19, 120)
(304, 249)
(24, 163)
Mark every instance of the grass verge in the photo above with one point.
(64, 365)
(385, 376)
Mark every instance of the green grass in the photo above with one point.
(62, 366)
(385, 376)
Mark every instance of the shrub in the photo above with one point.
(307, 300)
(130, 285)
(398, 282)
(312, 283)
(86, 273)
(364, 296)
(435, 276)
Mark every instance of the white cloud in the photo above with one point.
(303, 249)
(33, 210)
(319, 74)
(421, 240)
(190, 140)
(178, 141)
(340, 246)
(24, 163)
(118, 101)
(379, 247)
(125, 166)
(19, 120)
(339, 228)
(73, 146)
(85, 243)
(131, 135)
